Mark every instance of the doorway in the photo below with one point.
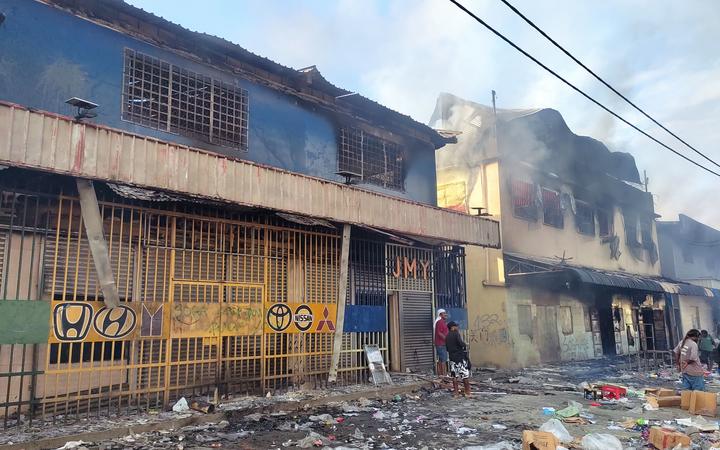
(547, 333)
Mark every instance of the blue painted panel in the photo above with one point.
(48, 55)
(364, 319)
(458, 315)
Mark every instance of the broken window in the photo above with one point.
(523, 197)
(585, 218)
(646, 232)
(566, 320)
(631, 229)
(605, 223)
(370, 158)
(552, 212)
(159, 95)
(525, 322)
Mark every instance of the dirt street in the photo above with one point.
(504, 404)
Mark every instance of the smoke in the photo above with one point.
(404, 53)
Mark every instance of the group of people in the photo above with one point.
(695, 354)
(450, 348)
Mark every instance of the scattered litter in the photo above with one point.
(205, 407)
(313, 440)
(255, 417)
(71, 444)
(600, 441)
(181, 406)
(358, 434)
(548, 411)
(498, 426)
(556, 427)
(504, 445)
(379, 415)
(322, 418)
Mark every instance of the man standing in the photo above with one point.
(688, 360)
(706, 346)
(440, 331)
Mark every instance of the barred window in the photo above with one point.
(159, 95)
(585, 218)
(552, 211)
(370, 158)
(523, 198)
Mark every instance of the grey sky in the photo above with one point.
(402, 53)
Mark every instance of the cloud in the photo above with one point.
(405, 52)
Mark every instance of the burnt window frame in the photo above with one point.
(578, 224)
(599, 212)
(219, 115)
(646, 232)
(530, 211)
(559, 217)
(632, 229)
(371, 158)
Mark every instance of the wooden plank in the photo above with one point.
(342, 296)
(98, 246)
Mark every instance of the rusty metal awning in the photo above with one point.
(522, 268)
(54, 143)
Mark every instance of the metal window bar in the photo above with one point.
(159, 95)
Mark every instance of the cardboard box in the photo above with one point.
(541, 440)
(685, 399)
(666, 438)
(703, 403)
(665, 402)
(665, 393)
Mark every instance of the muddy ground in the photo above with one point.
(502, 406)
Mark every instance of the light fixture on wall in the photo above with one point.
(84, 108)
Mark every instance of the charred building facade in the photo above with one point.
(179, 216)
(689, 252)
(579, 275)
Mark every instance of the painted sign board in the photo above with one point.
(300, 317)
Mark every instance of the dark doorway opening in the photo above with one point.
(607, 324)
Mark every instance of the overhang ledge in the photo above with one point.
(55, 143)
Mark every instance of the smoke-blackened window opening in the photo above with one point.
(632, 229)
(525, 320)
(370, 158)
(524, 200)
(367, 273)
(585, 218)
(646, 233)
(606, 227)
(552, 210)
(159, 95)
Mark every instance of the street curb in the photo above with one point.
(56, 442)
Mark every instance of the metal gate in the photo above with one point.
(416, 328)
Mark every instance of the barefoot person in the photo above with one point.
(440, 329)
(688, 360)
(459, 362)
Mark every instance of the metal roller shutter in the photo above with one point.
(416, 326)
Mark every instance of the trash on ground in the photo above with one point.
(181, 406)
(600, 441)
(556, 427)
(667, 438)
(539, 440)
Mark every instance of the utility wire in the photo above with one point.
(597, 77)
(578, 90)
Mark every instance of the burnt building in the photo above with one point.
(689, 252)
(180, 216)
(578, 275)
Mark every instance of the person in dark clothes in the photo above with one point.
(459, 362)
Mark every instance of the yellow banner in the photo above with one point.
(300, 317)
(94, 322)
(215, 319)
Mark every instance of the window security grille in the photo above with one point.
(552, 211)
(585, 218)
(523, 197)
(370, 158)
(159, 95)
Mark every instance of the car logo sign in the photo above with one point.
(279, 317)
(115, 323)
(71, 321)
(303, 318)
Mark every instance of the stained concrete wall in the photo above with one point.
(696, 312)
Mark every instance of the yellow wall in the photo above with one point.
(689, 318)
(537, 239)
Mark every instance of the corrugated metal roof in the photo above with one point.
(618, 279)
(54, 143)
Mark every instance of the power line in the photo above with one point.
(578, 90)
(597, 77)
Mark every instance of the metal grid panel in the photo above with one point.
(168, 260)
(409, 268)
(165, 97)
(449, 269)
(372, 159)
